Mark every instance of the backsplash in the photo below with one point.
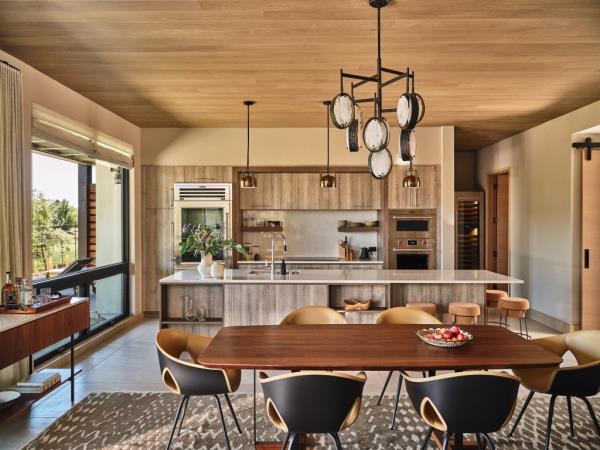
(310, 233)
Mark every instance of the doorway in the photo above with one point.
(590, 236)
(497, 259)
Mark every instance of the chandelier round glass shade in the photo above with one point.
(341, 110)
(376, 134)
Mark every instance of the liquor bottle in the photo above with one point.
(9, 291)
(25, 297)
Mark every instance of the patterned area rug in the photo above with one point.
(143, 421)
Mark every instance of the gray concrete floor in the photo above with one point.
(128, 363)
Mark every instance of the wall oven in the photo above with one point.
(412, 240)
(200, 204)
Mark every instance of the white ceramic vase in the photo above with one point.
(204, 266)
(217, 270)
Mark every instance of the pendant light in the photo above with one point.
(247, 179)
(327, 179)
(411, 180)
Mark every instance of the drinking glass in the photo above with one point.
(189, 308)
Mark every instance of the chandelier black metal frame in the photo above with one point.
(376, 130)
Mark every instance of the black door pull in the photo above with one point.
(586, 258)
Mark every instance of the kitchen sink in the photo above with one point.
(277, 272)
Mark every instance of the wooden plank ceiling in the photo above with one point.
(491, 68)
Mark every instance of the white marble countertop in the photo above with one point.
(301, 260)
(8, 321)
(345, 276)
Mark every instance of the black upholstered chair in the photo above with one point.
(187, 379)
(313, 402)
(579, 381)
(465, 402)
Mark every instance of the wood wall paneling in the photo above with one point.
(590, 299)
(427, 197)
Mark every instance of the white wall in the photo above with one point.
(545, 212)
(43, 90)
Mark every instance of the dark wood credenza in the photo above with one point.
(22, 335)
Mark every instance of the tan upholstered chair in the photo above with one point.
(314, 315)
(582, 380)
(399, 316)
(187, 378)
(313, 402)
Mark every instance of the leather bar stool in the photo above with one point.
(492, 300)
(464, 313)
(515, 307)
(429, 308)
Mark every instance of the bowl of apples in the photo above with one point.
(445, 337)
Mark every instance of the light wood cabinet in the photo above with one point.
(269, 192)
(426, 197)
(358, 191)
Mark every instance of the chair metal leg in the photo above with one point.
(458, 441)
(187, 400)
(285, 441)
(520, 416)
(426, 439)
(235, 419)
(177, 415)
(570, 409)
(393, 423)
(385, 385)
(479, 441)
(222, 421)
(292, 440)
(549, 427)
(489, 442)
(446, 441)
(336, 440)
(592, 415)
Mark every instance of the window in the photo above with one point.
(80, 229)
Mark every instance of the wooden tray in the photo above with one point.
(36, 308)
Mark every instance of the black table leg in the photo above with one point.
(72, 351)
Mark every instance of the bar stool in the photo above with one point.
(429, 308)
(492, 300)
(464, 313)
(515, 307)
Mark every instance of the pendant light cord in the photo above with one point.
(248, 137)
(327, 118)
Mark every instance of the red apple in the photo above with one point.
(460, 337)
(455, 330)
(447, 335)
(437, 336)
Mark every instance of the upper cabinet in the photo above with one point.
(158, 181)
(299, 190)
(426, 197)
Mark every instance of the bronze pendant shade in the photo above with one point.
(327, 179)
(411, 180)
(247, 178)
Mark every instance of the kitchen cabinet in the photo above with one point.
(158, 181)
(358, 191)
(267, 194)
(425, 197)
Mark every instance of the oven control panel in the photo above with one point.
(414, 243)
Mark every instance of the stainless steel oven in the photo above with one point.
(200, 204)
(413, 254)
(407, 223)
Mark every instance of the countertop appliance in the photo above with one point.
(200, 204)
(413, 240)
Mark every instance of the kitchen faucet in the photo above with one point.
(275, 237)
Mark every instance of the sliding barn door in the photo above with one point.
(590, 301)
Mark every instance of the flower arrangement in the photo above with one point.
(204, 240)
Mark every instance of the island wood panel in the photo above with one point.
(267, 304)
(358, 191)
(157, 253)
(362, 317)
(379, 293)
(209, 297)
(199, 329)
(590, 274)
(426, 197)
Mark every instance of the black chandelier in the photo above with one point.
(345, 114)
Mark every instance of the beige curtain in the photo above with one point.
(11, 172)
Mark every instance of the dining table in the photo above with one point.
(367, 348)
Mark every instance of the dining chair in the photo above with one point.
(314, 315)
(186, 378)
(398, 316)
(317, 402)
(461, 403)
(580, 381)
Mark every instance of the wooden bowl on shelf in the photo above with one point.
(371, 223)
(351, 304)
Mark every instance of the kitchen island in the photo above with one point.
(255, 297)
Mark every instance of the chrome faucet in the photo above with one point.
(275, 237)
